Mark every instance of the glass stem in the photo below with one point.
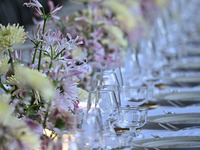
(132, 129)
(150, 90)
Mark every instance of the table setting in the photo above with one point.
(114, 75)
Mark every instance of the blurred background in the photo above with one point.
(13, 11)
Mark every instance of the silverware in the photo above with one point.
(168, 126)
(168, 112)
(156, 136)
(176, 103)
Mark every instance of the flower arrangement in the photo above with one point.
(107, 29)
(42, 94)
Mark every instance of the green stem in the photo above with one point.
(59, 53)
(43, 30)
(2, 86)
(35, 53)
(46, 114)
(40, 57)
(11, 61)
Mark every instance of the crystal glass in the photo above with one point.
(91, 136)
(133, 95)
(133, 118)
(106, 101)
(114, 88)
(104, 78)
(118, 73)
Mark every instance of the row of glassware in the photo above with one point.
(115, 95)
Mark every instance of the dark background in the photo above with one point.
(13, 11)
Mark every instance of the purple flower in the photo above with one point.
(34, 126)
(54, 10)
(33, 3)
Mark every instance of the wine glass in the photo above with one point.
(118, 73)
(114, 88)
(104, 78)
(133, 118)
(106, 101)
(133, 95)
(92, 129)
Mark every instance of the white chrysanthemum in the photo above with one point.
(123, 15)
(25, 135)
(4, 65)
(19, 129)
(36, 80)
(11, 35)
(117, 35)
(161, 3)
(5, 109)
(14, 80)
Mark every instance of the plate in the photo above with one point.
(194, 51)
(172, 143)
(180, 96)
(188, 80)
(189, 65)
(182, 118)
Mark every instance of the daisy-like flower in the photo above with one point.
(62, 102)
(11, 35)
(4, 65)
(70, 88)
(36, 80)
(14, 80)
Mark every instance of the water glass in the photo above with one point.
(92, 130)
(106, 101)
(114, 88)
(133, 95)
(104, 78)
(133, 118)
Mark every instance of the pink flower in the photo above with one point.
(51, 37)
(34, 126)
(80, 69)
(54, 10)
(68, 44)
(34, 3)
(62, 102)
(66, 117)
(70, 88)
(17, 55)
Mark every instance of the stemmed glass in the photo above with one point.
(114, 88)
(106, 101)
(133, 95)
(118, 73)
(133, 118)
(104, 78)
(91, 137)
